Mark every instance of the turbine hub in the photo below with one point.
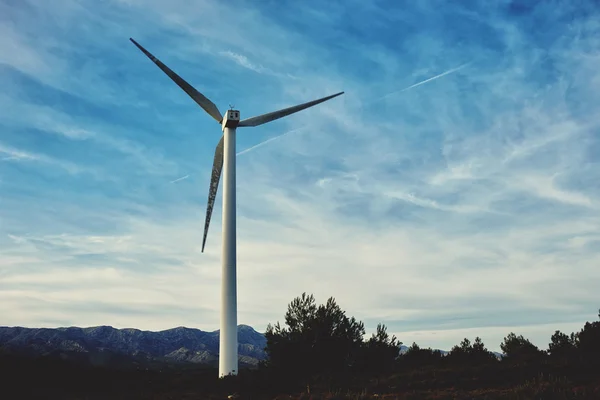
(231, 119)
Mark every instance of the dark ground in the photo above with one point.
(51, 378)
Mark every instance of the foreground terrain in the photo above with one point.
(49, 377)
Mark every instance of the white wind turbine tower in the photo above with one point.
(225, 160)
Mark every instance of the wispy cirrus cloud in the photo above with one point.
(466, 206)
(14, 154)
(11, 154)
(243, 61)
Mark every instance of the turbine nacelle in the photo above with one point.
(231, 119)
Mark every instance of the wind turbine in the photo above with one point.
(225, 160)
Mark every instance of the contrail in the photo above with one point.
(425, 81)
(180, 179)
(267, 141)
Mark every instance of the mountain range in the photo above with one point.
(108, 346)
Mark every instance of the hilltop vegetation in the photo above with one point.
(320, 352)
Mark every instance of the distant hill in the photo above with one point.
(105, 345)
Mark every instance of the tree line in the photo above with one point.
(320, 342)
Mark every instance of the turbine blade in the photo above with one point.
(214, 186)
(263, 119)
(198, 97)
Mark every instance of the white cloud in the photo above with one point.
(243, 61)
(13, 154)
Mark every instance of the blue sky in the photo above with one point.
(467, 205)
